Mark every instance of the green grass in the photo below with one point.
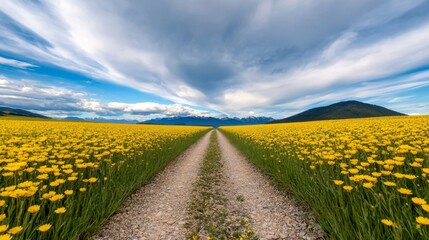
(104, 200)
(88, 210)
(343, 215)
(208, 214)
(22, 118)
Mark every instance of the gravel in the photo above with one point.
(274, 215)
(158, 209)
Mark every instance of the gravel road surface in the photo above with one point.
(158, 209)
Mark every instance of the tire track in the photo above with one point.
(158, 209)
(273, 214)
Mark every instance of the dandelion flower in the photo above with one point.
(34, 209)
(92, 180)
(418, 201)
(2, 217)
(44, 227)
(338, 182)
(405, 191)
(388, 222)
(15, 230)
(2, 203)
(56, 197)
(3, 228)
(60, 210)
(68, 192)
(422, 220)
(348, 188)
(71, 179)
(5, 237)
(390, 184)
(368, 185)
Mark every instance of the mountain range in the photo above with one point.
(210, 121)
(7, 111)
(341, 110)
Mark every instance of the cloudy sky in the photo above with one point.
(143, 59)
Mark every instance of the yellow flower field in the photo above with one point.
(364, 178)
(60, 180)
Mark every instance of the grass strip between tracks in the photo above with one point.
(208, 214)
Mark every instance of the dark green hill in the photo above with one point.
(341, 110)
(6, 111)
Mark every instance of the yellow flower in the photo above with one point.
(425, 170)
(368, 185)
(389, 184)
(2, 217)
(338, 182)
(82, 189)
(348, 188)
(56, 197)
(410, 176)
(68, 192)
(419, 201)
(44, 227)
(15, 230)
(405, 191)
(425, 207)
(34, 209)
(54, 184)
(43, 176)
(3, 228)
(399, 175)
(5, 237)
(388, 222)
(415, 164)
(92, 180)
(422, 220)
(60, 210)
(71, 179)
(2, 203)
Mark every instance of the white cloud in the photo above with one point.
(59, 101)
(30, 94)
(151, 108)
(354, 68)
(339, 45)
(258, 55)
(91, 105)
(15, 63)
(398, 99)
